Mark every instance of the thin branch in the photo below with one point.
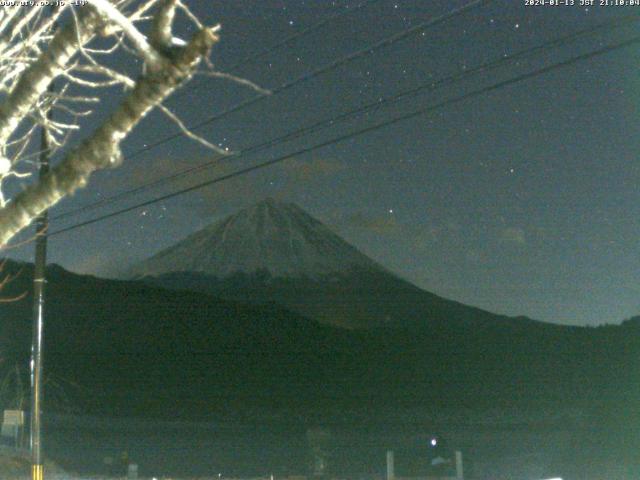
(108, 72)
(71, 111)
(20, 244)
(139, 41)
(239, 80)
(188, 133)
(17, 298)
(161, 28)
(90, 83)
(35, 80)
(31, 13)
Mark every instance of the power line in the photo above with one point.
(429, 86)
(308, 76)
(362, 131)
(385, 42)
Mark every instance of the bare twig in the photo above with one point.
(188, 133)
(239, 80)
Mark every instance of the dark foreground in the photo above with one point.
(494, 450)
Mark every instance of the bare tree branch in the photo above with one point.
(189, 134)
(36, 78)
(139, 41)
(102, 149)
(77, 54)
(239, 80)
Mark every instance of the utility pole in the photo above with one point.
(459, 468)
(37, 341)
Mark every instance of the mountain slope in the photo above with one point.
(276, 252)
(139, 350)
(274, 237)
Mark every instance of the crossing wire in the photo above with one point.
(385, 42)
(332, 121)
(348, 136)
(310, 75)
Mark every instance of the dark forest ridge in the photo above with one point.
(270, 328)
(195, 348)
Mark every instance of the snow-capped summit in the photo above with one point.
(275, 252)
(273, 237)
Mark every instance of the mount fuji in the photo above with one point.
(275, 252)
(275, 238)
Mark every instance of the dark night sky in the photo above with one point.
(520, 201)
